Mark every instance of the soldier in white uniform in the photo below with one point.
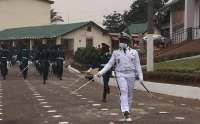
(127, 63)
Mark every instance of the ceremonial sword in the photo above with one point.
(77, 80)
(24, 69)
(141, 84)
(84, 85)
(146, 89)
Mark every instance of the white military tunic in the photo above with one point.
(126, 65)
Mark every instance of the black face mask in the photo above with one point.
(104, 50)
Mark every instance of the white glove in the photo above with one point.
(140, 76)
(99, 74)
(113, 73)
(29, 62)
(140, 80)
(63, 62)
(89, 70)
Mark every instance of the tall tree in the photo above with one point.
(55, 18)
(137, 14)
(114, 22)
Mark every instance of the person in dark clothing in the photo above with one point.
(24, 59)
(53, 56)
(5, 60)
(103, 59)
(44, 57)
(60, 60)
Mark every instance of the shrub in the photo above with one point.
(178, 70)
(86, 56)
(171, 76)
(171, 57)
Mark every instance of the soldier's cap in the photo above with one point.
(59, 45)
(41, 44)
(105, 45)
(124, 35)
(25, 45)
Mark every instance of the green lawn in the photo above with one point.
(187, 63)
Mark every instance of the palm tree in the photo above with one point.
(55, 18)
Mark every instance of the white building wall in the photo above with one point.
(24, 13)
(82, 34)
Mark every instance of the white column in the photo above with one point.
(189, 13)
(150, 53)
(58, 41)
(44, 41)
(31, 44)
(171, 22)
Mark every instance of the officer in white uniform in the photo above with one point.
(127, 63)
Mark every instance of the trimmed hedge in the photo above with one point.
(172, 76)
(185, 76)
(178, 70)
(172, 57)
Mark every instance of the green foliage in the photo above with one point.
(117, 22)
(114, 22)
(178, 70)
(171, 76)
(86, 56)
(79, 66)
(55, 18)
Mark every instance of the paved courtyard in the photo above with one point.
(31, 102)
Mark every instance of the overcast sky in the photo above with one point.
(89, 10)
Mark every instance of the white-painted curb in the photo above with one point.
(161, 88)
(72, 70)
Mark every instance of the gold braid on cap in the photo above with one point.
(125, 38)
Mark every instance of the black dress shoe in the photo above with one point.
(104, 100)
(44, 82)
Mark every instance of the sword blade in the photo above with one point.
(23, 70)
(76, 80)
(146, 89)
(84, 85)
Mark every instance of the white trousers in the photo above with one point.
(126, 87)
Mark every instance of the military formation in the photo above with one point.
(51, 60)
(45, 60)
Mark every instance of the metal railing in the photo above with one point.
(181, 35)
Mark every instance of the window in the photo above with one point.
(178, 16)
(89, 28)
(64, 43)
(115, 44)
(89, 42)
